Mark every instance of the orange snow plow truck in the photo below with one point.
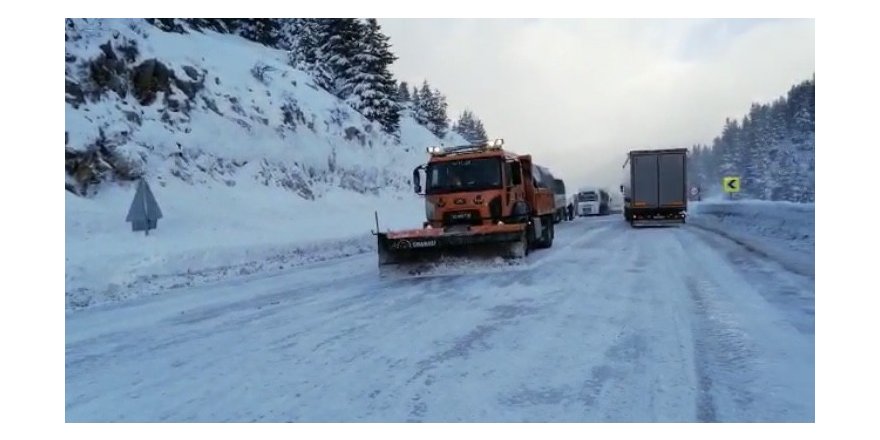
(479, 200)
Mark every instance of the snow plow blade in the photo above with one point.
(412, 251)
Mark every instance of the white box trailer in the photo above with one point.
(655, 187)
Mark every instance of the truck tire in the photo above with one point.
(531, 237)
(520, 212)
(546, 239)
(520, 248)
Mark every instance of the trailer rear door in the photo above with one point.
(644, 181)
(672, 185)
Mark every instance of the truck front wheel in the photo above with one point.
(547, 231)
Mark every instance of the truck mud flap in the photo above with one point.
(643, 223)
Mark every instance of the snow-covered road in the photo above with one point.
(611, 324)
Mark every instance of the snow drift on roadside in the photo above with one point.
(785, 231)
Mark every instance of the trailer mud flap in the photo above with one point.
(641, 223)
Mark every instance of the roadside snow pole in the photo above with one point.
(144, 213)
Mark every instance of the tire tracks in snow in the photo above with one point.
(742, 361)
(499, 316)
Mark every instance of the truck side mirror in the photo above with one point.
(417, 181)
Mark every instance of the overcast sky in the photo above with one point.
(577, 94)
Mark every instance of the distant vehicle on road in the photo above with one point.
(655, 187)
(592, 201)
(559, 200)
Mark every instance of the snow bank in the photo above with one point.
(784, 231)
(211, 234)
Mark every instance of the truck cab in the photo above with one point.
(483, 185)
(591, 201)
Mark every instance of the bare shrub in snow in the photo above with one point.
(259, 72)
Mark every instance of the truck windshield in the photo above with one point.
(587, 197)
(558, 186)
(463, 175)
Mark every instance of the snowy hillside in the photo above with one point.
(249, 160)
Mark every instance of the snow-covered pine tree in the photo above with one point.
(438, 118)
(707, 174)
(746, 144)
(287, 34)
(757, 174)
(730, 148)
(692, 165)
(305, 41)
(403, 96)
(781, 153)
(480, 131)
(340, 39)
(423, 100)
(373, 90)
(706, 170)
(802, 128)
(464, 124)
(470, 127)
(262, 30)
(390, 110)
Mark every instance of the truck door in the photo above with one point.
(644, 181)
(512, 182)
(672, 185)
(528, 179)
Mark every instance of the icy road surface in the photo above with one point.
(611, 324)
